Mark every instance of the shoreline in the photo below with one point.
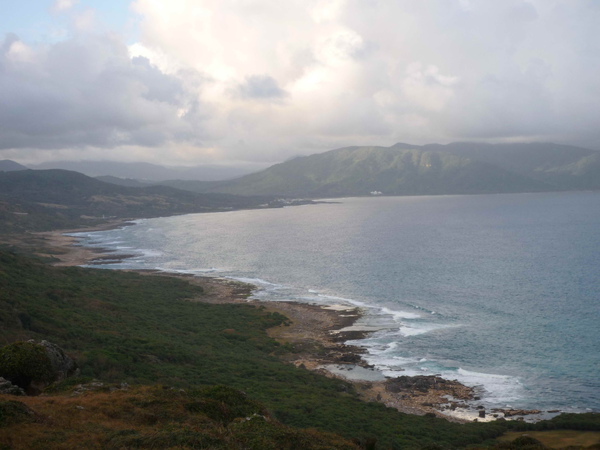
(318, 334)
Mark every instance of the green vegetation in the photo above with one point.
(36, 200)
(142, 329)
(460, 168)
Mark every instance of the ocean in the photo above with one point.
(501, 292)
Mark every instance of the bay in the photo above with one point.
(498, 291)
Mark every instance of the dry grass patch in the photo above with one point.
(105, 417)
(558, 438)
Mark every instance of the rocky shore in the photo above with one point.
(317, 334)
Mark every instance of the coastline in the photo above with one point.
(317, 333)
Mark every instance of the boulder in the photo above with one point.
(63, 365)
(6, 387)
(519, 412)
(421, 383)
(33, 366)
(352, 358)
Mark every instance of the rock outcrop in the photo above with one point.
(6, 387)
(63, 366)
(34, 366)
(517, 412)
(426, 383)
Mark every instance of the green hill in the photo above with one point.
(561, 166)
(37, 200)
(404, 169)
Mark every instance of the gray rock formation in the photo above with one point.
(63, 365)
(6, 387)
(33, 366)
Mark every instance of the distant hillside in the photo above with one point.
(404, 169)
(563, 167)
(146, 171)
(185, 185)
(191, 185)
(6, 165)
(129, 182)
(45, 199)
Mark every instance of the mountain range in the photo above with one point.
(36, 200)
(147, 172)
(405, 169)
(402, 169)
(6, 165)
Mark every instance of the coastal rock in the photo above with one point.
(419, 383)
(349, 358)
(33, 366)
(6, 387)
(519, 412)
(63, 365)
(343, 336)
(425, 383)
(453, 405)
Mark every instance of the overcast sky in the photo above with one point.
(259, 81)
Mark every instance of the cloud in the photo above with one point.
(261, 80)
(375, 72)
(88, 92)
(260, 87)
(64, 5)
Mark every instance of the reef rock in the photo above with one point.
(519, 412)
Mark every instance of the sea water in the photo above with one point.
(501, 292)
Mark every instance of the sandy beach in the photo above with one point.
(317, 334)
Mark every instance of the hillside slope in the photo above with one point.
(562, 166)
(45, 199)
(6, 165)
(144, 329)
(404, 169)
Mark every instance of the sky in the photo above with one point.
(255, 82)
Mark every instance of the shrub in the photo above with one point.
(224, 404)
